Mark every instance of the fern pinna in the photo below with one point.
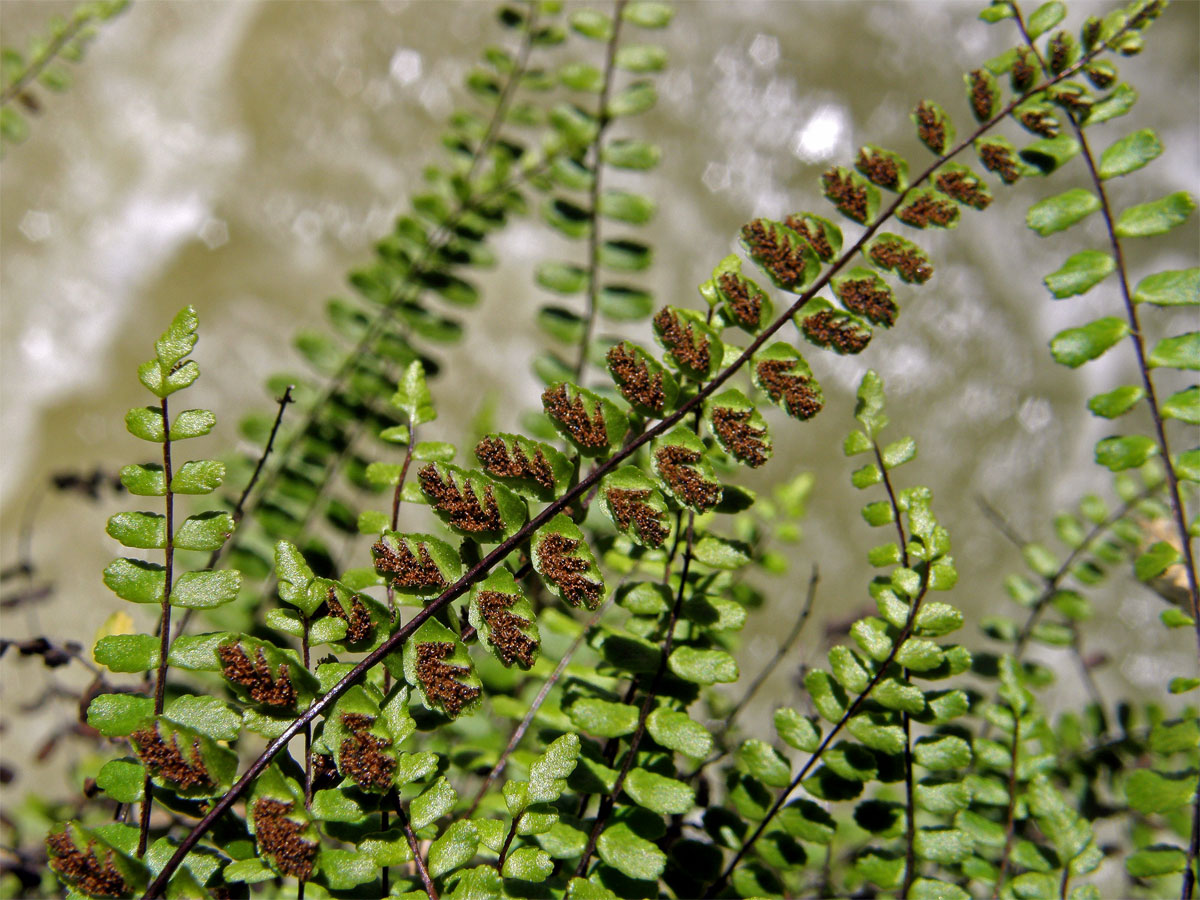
(918, 778)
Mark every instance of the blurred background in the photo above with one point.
(242, 157)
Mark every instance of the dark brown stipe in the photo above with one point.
(815, 235)
(586, 430)
(461, 506)
(848, 197)
(567, 571)
(964, 188)
(441, 680)
(864, 297)
(630, 507)
(829, 330)
(362, 754)
(746, 306)
(407, 570)
(507, 630)
(681, 341)
(880, 169)
(907, 261)
(256, 677)
(999, 159)
(498, 462)
(634, 380)
(926, 210)
(675, 465)
(795, 391)
(279, 838)
(358, 620)
(784, 262)
(168, 761)
(742, 439)
(83, 869)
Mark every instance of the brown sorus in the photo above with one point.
(681, 341)
(83, 869)
(362, 754)
(507, 630)
(880, 168)
(256, 677)
(441, 680)
(407, 570)
(168, 760)
(998, 158)
(784, 262)
(830, 330)
(911, 265)
(926, 210)
(1060, 49)
(795, 391)
(358, 620)
(849, 197)
(815, 235)
(742, 439)
(981, 96)
(498, 462)
(930, 128)
(324, 771)
(1022, 72)
(280, 838)
(567, 572)
(745, 305)
(675, 465)
(1040, 122)
(964, 188)
(634, 380)
(630, 506)
(587, 431)
(461, 506)
(865, 297)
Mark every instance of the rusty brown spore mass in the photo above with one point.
(567, 572)
(682, 342)
(362, 754)
(588, 431)
(629, 506)
(440, 680)
(408, 570)
(634, 380)
(795, 391)
(461, 506)
(256, 677)
(743, 440)
(507, 630)
(280, 839)
(496, 460)
(675, 465)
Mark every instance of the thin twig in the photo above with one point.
(1010, 816)
(415, 847)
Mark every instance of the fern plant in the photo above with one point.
(587, 580)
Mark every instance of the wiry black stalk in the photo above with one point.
(415, 847)
(494, 558)
(593, 211)
(1010, 815)
(608, 801)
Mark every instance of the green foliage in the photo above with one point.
(916, 766)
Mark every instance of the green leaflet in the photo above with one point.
(1062, 211)
(436, 663)
(1081, 272)
(1075, 346)
(1156, 217)
(1130, 153)
(1174, 288)
(505, 619)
